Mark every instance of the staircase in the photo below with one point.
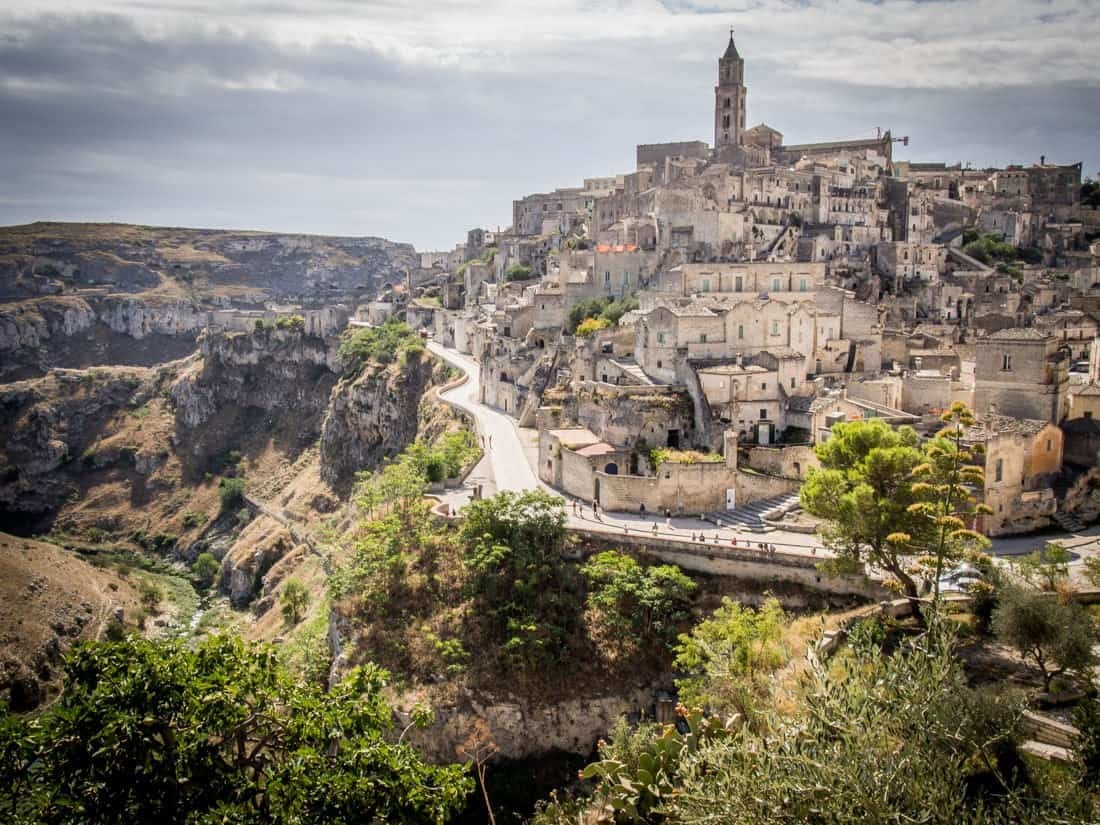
(634, 371)
(751, 516)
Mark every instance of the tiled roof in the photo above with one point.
(1018, 334)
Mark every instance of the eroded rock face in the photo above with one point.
(75, 332)
(373, 416)
(275, 379)
(522, 730)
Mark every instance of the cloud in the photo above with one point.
(418, 121)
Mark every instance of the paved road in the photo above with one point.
(511, 454)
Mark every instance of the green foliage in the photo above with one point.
(193, 519)
(205, 569)
(1090, 193)
(877, 739)
(217, 732)
(458, 449)
(863, 490)
(293, 601)
(150, 594)
(523, 592)
(291, 323)
(639, 605)
(604, 308)
(888, 499)
(381, 344)
(259, 325)
(1057, 637)
(727, 657)
(230, 493)
(636, 774)
(1092, 570)
(1086, 718)
(518, 272)
(989, 248)
(1046, 568)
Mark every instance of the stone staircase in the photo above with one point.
(634, 371)
(751, 516)
(1068, 522)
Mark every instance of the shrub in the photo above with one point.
(149, 593)
(518, 272)
(293, 323)
(590, 325)
(381, 344)
(231, 493)
(1053, 635)
(205, 569)
(194, 519)
(293, 601)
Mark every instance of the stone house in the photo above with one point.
(1022, 459)
(1021, 373)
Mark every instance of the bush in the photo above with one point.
(293, 601)
(590, 325)
(1055, 636)
(205, 569)
(518, 272)
(292, 323)
(150, 594)
(230, 493)
(381, 344)
(194, 519)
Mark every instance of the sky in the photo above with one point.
(417, 121)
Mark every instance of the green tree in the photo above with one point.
(381, 344)
(1046, 568)
(1057, 637)
(864, 490)
(945, 506)
(513, 548)
(727, 657)
(215, 732)
(640, 605)
(205, 569)
(230, 493)
(518, 272)
(293, 601)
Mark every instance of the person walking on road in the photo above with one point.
(641, 509)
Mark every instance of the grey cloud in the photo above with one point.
(106, 119)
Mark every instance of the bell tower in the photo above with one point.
(729, 98)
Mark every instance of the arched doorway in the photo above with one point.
(611, 468)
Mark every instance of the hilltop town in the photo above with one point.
(682, 334)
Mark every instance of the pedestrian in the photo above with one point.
(641, 509)
(654, 528)
(693, 535)
(668, 522)
(574, 507)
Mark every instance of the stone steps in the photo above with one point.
(751, 516)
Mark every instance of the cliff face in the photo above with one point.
(78, 331)
(45, 258)
(373, 416)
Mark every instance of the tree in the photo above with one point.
(945, 505)
(727, 656)
(512, 544)
(639, 604)
(589, 326)
(863, 491)
(205, 569)
(215, 732)
(294, 600)
(518, 272)
(1055, 636)
(231, 493)
(1046, 568)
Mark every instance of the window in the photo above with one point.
(725, 121)
(727, 104)
(660, 337)
(763, 413)
(775, 284)
(706, 285)
(775, 327)
(801, 284)
(764, 386)
(740, 330)
(999, 470)
(738, 284)
(1006, 362)
(702, 337)
(792, 383)
(1050, 445)
(607, 277)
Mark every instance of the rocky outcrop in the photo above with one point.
(46, 428)
(373, 415)
(522, 730)
(271, 380)
(45, 258)
(82, 331)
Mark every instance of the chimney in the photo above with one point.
(1042, 160)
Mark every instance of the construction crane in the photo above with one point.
(904, 141)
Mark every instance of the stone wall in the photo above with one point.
(790, 462)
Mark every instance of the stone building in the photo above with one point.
(1021, 373)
